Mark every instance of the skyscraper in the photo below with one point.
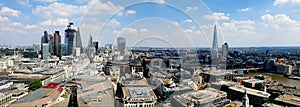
(224, 51)
(90, 44)
(96, 45)
(78, 40)
(214, 49)
(63, 49)
(121, 42)
(70, 38)
(44, 38)
(57, 41)
(45, 51)
(51, 43)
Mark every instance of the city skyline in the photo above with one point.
(251, 23)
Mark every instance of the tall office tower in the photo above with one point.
(63, 49)
(78, 40)
(70, 38)
(57, 41)
(121, 42)
(96, 45)
(214, 49)
(90, 44)
(44, 38)
(51, 43)
(45, 51)
(224, 51)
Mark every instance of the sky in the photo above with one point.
(175, 23)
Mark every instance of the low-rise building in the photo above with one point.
(288, 100)
(200, 98)
(138, 97)
(5, 98)
(256, 97)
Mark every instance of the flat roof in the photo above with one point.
(290, 99)
(201, 96)
(34, 95)
(253, 81)
(250, 91)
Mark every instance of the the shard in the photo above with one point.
(214, 49)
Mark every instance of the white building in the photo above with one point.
(3, 66)
(138, 97)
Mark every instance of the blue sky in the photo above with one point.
(181, 23)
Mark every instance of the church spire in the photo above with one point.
(246, 99)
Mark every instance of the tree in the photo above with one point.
(35, 84)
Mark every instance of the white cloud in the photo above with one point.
(286, 2)
(243, 9)
(279, 18)
(247, 25)
(55, 22)
(188, 30)
(9, 12)
(103, 8)
(130, 12)
(187, 21)
(113, 23)
(157, 1)
(189, 8)
(56, 10)
(144, 30)
(120, 13)
(175, 23)
(47, 1)
(24, 3)
(217, 16)
(128, 31)
(280, 21)
(31, 27)
(21, 32)
(192, 27)
(3, 19)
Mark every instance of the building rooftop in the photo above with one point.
(290, 99)
(253, 81)
(34, 95)
(139, 93)
(250, 91)
(200, 96)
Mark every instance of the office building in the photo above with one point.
(63, 49)
(78, 40)
(77, 51)
(51, 43)
(200, 98)
(121, 42)
(45, 51)
(70, 38)
(138, 97)
(256, 97)
(215, 46)
(224, 51)
(44, 38)
(57, 41)
(284, 69)
(90, 43)
(96, 45)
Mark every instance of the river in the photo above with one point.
(277, 77)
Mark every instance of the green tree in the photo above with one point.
(35, 84)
